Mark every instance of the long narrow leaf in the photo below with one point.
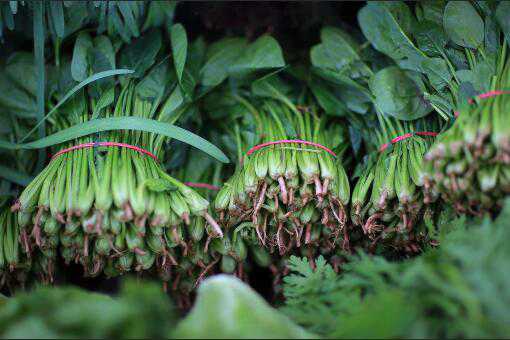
(68, 95)
(39, 61)
(179, 43)
(123, 123)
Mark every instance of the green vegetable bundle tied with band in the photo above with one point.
(103, 200)
(457, 49)
(388, 198)
(291, 187)
(470, 163)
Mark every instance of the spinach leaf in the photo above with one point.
(179, 43)
(463, 24)
(397, 94)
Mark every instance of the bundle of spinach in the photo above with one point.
(459, 50)
(283, 196)
(383, 105)
(456, 290)
(109, 207)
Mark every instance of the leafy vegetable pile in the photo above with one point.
(350, 158)
(289, 193)
(457, 290)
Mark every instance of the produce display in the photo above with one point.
(350, 162)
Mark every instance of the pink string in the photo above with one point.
(406, 136)
(202, 185)
(107, 144)
(483, 96)
(290, 141)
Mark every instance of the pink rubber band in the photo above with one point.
(483, 96)
(290, 141)
(202, 185)
(406, 136)
(107, 144)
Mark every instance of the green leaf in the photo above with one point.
(14, 6)
(80, 61)
(159, 12)
(503, 18)
(228, 308)
(106, 99)
(387, 25)
(437, 72)
(154, 83)
(220, 56)
(179, 43)
(75, 89)
(122, 123)
(264, 53)
(140, 54)
(57, 16)
(159, 185)
(172, 103)
(337, 50)
(398, 95)
(431, 38)
(127, 10)
(463, 24)
(39, 36)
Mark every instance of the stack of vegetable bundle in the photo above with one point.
(374, 95)
(294, 191)
(106, 202)
(457, 51)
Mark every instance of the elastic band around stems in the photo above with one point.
(406, 136)
(202, 185)
(483, 96)
(106, 144)
(290, 141)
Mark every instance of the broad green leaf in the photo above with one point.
(140, 54)
(179, 43)
(430, 38)
(104, 54)
(437, 72)
(463, 24)
(503, 18)
(228, 308)
(106, 99)
(264, 53)
(172, 103)
(20, 70)
(327, 98)
(432, 11)
(159, 12)
(75, 89)
(220, 56)
(355, 96)
(387, 25)
(339, 48)
(127, 9)
(122, 123)
(80, 61)
(154, 83)
(195, 57)
(16, 101)
(398, 95)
